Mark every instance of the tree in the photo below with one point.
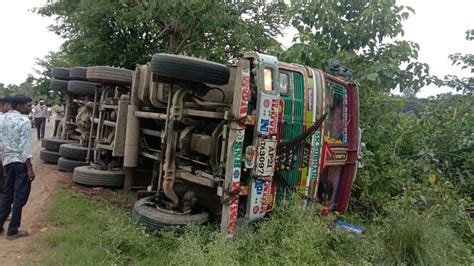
(127, 32)
(359, 34)
(42, 72)
(465, 85)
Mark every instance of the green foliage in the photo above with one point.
(407, 147)
(31, 88)
(127, 32)
(357, 33)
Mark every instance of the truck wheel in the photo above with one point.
(88, 175)
(154, 218)
(75, 151)
(190, 69)
(114, 75)
(49, 156)
(53, 144)
(58, 85)
(78, 73)
(60, 73)
(67, 165)
(82, 87)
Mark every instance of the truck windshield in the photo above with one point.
(335, 132)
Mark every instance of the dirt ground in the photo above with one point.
(48, 181)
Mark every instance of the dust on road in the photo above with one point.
(43, 189)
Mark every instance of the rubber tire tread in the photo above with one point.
(74, 151)
(53, 144)
(190, 69)
(67, 165)
(87, 175)
(106, 74)
(78, 73)
(82, 87)
(58, 85)
(155, 219)
(60, 73)
(49, 156)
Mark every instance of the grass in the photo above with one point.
(91, 232)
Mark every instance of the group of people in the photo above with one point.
(16, 173)
(41, 114)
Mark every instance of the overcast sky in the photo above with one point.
(438, 26)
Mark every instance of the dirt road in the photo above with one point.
(48, 181)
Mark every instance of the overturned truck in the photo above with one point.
(226, 144)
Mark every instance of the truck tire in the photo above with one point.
(82, 87)
(154, 218)
(67, 165)
(190, 69)
(49, 156)
(58, 85)
(60, 73)
(88, 175)
(74, 151)
(110, 75)
(78, 73)
(53, 144)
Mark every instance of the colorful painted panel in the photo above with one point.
(292, 126)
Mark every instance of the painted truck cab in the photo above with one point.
(322, 167)
(284, 101)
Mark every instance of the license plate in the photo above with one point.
(265, 163)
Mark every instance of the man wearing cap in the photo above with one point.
(40, 114)
(15, 130)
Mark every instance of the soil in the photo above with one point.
(44, 187)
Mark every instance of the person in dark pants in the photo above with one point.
(40, 113)
(16, 156)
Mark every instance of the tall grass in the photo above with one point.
(92, 232)
(416, 239)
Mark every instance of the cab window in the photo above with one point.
(335, 109)
(284, 83)
(268, 79)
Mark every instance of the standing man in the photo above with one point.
(40, 114)
(59, 110)
(5, 106)
(15, 130)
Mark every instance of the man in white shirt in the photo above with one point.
(40, 114)
(15, 129)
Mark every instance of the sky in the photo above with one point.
(438, 26)
(24, 36)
